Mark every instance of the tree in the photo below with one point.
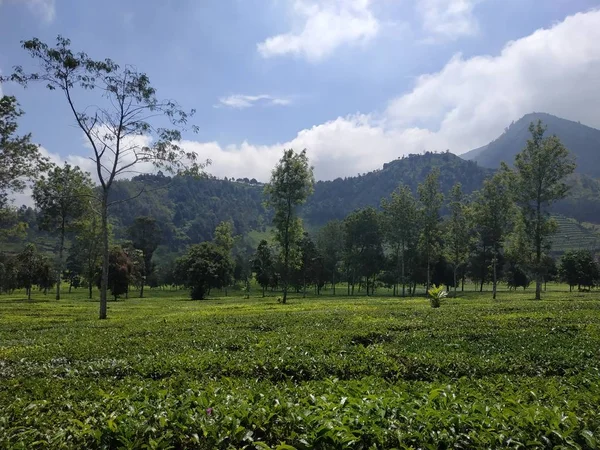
(204, 267)
(145, 235)
(291, 183)
(493, 212)
(119, 272)
(330, 245)
(223, 238)
(263, 265)
(62, 198)
(579, 268)
(458, 233)
(29, 265)
(120, 126)
(364, 246)
(431, 200)
(86, 252)
(400, 228)
(539, 181)
(20, 160)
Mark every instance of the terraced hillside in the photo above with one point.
(573, 236)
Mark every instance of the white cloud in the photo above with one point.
(448, 18)
(239, 101)
(44, 9)
(320, 27)
(463, 106)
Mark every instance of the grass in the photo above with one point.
(166, 372)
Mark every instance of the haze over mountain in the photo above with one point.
(582, 141)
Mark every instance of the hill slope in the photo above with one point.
(336, 199)
(582, 141)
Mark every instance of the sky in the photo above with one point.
(358, 83)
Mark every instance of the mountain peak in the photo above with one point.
(582, 141)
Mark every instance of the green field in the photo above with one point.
(325, 372)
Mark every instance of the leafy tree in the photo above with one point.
(291, 183)
(330, 245)
(204, 267)
(145, 235)
(579, 268)
(223, 236)
(364, 246)
(539, 181)
(458, 233)
(263, 265)
(493, 212)
(431, 200)
(120, 126)
(119, 273)
(401, 228)
(86, 252)
(20, 159)
(62, 197)
(224, 239)
(29, 265)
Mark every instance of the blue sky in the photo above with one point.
(356, 82)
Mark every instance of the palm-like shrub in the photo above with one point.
(436, 294)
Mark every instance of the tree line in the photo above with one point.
(501, 232)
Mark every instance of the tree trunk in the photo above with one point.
(333, 281)
(61, 249)
(105, 257)
(263, 291)
(29, 293)
(142, 290)
(90, 287)
(428, 275)
(455, 270)
(402, 274)
(495, 275)
(538, 253)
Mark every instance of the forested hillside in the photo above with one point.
(336, 199)
(188, 209)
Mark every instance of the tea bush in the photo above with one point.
(316, 373)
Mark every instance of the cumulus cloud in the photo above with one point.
(44, 9)
(239, 101)
(448, 18)
(463, 106)
(320, 27)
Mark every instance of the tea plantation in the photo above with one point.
(365, 373)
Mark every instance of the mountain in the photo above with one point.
(188, 209)
(582, 141)
(338, 198)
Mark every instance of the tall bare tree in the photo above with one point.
(122, 125)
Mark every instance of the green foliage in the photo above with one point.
(431, 200)
(401, 230)
(436, 294)
(539, 181)
(204, 267)
(20, 159)
(63, 198)
(291, 183)
(145, 235)
(264, 266)
(579, 268)
(359, 373)
(120, 272)
(363, 247)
